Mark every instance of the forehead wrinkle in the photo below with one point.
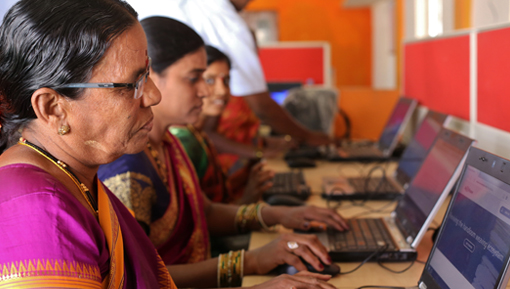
(109, 68)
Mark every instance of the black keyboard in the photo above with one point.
(365, 234)
(289, 183)
(372, 185)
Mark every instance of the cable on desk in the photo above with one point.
(378, 251)
(394, 271)
(370, 211)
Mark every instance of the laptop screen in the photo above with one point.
(394, 123)
(431, 180)
(474, 246)
(417, 149)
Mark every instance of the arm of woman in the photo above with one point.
(220, 217)
(204, 275)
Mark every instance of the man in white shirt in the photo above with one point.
(219, 24)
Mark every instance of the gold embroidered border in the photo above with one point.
(52, 271)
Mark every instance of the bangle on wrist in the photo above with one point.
(261, 221)
(259, 153)
(231, 269)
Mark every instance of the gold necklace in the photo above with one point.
(63, 166)
(161, 166)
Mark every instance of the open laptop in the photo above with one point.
(390, 187)
(387, 142)
(395, 238)
(472, 249)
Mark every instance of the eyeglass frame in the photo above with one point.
(135, 85)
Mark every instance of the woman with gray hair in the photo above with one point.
(75, 90)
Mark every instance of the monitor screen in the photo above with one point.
(279, 90)
(431, 180)
(474, 245)
(420, 144)
(394, 123)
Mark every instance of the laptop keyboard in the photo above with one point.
(372, 185)
(365, 234)
(289, 183)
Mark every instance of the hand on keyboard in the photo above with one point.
(300, 217)
(259, 181)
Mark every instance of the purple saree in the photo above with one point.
(48, 239)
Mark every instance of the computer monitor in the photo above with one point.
(418, 147)
(279, 90)
(473, 246)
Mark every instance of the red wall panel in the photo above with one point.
(293, 64)
(436, 73)
(493, 78)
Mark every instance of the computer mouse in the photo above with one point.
(284, 200)
(332, 269)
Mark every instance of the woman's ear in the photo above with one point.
(50, 107)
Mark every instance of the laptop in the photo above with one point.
(290, 184)
(395, 238)
(384, 147)
(472, 249)
(391, 187)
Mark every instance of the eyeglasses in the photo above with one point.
(139, 85)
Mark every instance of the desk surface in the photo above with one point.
(369, 273)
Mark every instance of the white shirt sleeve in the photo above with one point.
(219, 24)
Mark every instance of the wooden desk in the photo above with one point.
(370, 273)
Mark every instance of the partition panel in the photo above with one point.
(436, 73)
(494, 78)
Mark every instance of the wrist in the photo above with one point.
(271, 216)
(250, 263)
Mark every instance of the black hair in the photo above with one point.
(214, 54)
(47, 43)
(169, 40)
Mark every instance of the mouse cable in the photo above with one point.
(370, 210)
(394, 271)
(375, 253)
(379, 184)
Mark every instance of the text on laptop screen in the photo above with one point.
(475, 244)
(393, 125)
(417, 149)
(428, 184)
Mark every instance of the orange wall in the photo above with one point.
(462, 14)
(347, 30)
(368, 111)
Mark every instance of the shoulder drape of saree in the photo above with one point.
(194, 244)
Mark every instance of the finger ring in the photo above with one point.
(292, 245)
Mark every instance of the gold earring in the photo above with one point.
(63, 129)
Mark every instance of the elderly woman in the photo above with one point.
(161, 187)
(215, 182)
(68, 71)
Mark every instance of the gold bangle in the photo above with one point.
(259, 153)
(231, 269)
(261, 221)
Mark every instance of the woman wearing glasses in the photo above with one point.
(161, 187)
(74, 94)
